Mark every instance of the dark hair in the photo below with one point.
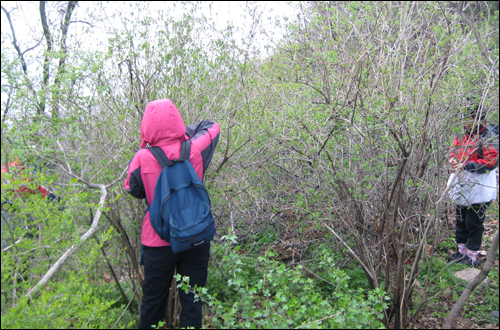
(473, 109)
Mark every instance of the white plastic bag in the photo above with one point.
(469, 188)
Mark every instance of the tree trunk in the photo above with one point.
(46, 61)
(63, 52)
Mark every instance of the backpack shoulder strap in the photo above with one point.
(185, 150)
(160, 156)
(494, 130)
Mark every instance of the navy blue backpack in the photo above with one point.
(181, 210)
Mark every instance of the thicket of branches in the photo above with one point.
(339, 137)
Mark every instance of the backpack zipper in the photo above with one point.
(192, 237)
(163, 204)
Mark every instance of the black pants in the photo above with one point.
(469, 227)
(159, 266)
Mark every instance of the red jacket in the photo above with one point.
(24, 191)
(162, 126)
(484, 159)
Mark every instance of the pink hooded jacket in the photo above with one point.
(162, 126)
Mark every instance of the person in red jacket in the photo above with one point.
(162, 126)
(474, 158)
(22, 189)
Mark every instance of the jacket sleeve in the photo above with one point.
(133, 183)
(454, 145)
(206, 134)
(487, 156)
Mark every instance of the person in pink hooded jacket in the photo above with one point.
(162, 126)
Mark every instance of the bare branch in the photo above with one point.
(321, 320)
(14, 40)
(484, 51)
(31, 48)
(19, 52)
(65, 159)
(354, 255)
(81, 22)
(118, 178)
(74, 248)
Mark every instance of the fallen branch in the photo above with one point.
(72, 249)
(10, 246)
(472, 285)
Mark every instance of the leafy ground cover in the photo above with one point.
(257, 291)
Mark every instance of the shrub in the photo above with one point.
(264, 293)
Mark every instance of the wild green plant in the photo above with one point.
(36, 232)
(263, 293)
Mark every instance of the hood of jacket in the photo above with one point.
(475, 130)
(161, 124)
